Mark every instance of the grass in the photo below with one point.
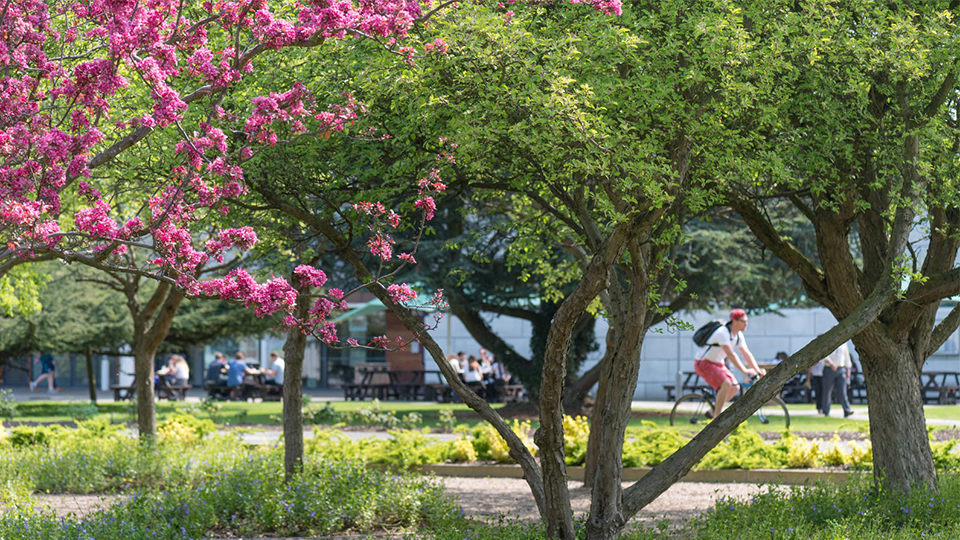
(230, 413)
(268, 413)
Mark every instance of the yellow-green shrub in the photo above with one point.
(576, 434)
(183, 429)
(801, 453)
(462, 451)
(490, 445)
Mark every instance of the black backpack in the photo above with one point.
(703, 333)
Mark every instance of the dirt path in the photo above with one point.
(495, 498)
(510, 498)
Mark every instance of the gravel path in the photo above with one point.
(507, 498)
(510, 498)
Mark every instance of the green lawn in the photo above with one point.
(244, 413)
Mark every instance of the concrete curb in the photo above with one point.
(632, 474)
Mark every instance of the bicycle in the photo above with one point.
(698, 408)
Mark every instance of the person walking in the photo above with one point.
(815, 380)
(836, 375)
(723, 344)
(48, 369)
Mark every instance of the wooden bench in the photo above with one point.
(795, 390)
(176, 392)
(172, 392)
(940, 387)
(369, 383)
(511, 393)
(439, 392)
(123, 393)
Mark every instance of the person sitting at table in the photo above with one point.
(473, 376)
(237, 370)
(495, 380)
(454, 361)
(275, 373)
(176, 372)
(216, 379)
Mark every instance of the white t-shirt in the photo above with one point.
(817, 369)
(841, 357)
(278, 366)
(719, 338)
(183, 371)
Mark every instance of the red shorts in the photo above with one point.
(713, 373)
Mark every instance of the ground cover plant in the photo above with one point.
(858, 509)
(645, 446)
(191, 483)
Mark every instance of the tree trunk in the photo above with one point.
(143, 356)
(91, 378)
(293, 351)
(593, 441)
(627, 300)
(902, 458)
(150, 327)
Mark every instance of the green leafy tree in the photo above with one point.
(860, 138)
(589, 159)
(75, 317)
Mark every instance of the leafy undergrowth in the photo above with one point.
(190, 485)
(856, 510)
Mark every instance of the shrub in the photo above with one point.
(462, 451)
(184, 429)
(576, 433)
(8, 405)
(247, 497)
(321, 415)
(79, 410)
(490, 445)
(447, 421)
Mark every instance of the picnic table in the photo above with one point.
(691, 383)
(410, 385)
(940, 387)
(163, 390)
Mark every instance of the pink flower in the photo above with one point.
(310, 276)
(401, 293)
(380, 245)
(428, 206)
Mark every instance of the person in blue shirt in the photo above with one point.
(237, 369)
(48, 367)
(216, 380)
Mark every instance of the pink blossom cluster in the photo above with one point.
(401, 293)
(430, 184)
(72, 67)
(243, 238)
(310, 276)
(438, 46)
(273, 296)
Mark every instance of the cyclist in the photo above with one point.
(722, 344)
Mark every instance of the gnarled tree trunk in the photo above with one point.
(898, 430)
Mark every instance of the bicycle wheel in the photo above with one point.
(696, 410)
(774, 407)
